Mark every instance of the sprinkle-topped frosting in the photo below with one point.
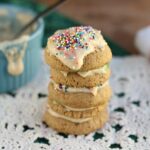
(70, 46)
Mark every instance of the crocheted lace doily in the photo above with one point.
(128, 128)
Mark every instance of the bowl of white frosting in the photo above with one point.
(20, 58)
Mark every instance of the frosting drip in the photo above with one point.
(14, 52)
(101, 70)
(72, 45)
(55, 114)
(65, 88)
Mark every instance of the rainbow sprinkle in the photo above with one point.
(68, 41)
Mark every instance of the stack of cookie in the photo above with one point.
(79, 90)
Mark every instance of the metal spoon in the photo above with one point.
(35, 19)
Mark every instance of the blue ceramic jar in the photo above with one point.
(20, 58)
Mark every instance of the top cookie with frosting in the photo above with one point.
(71, 47)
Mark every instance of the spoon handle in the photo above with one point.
(41, 14)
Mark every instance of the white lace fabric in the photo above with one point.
(128, 128)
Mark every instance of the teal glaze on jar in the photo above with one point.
(32, 56)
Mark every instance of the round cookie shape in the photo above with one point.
(80, 100)
(68, 127)
(94, 60)
(79, 90)
(75, 80)
(71, 45)
(64, 110)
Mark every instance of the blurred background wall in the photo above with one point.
(119, 19)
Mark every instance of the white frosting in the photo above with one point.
(55, 114)
(73, 57)
(14, 49)
(14, 56)
(74, 109)
(101, 70)
(77, 109)
(65, 88)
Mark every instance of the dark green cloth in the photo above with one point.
(55, 21)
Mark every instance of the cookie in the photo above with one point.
(80, 99)
(76, 80)
(79, 90)
(75, 126)
(94, 60)
(76, 113)
(77, 48)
